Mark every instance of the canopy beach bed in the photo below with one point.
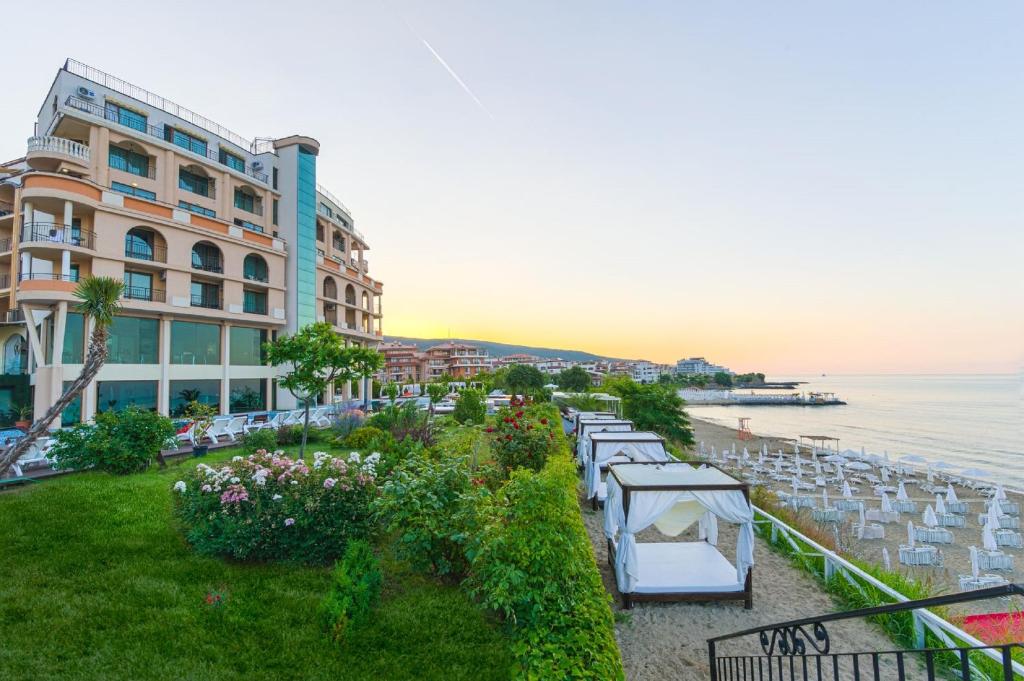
(589, 426)
(672, 496)
(607, 448)
(590, 416)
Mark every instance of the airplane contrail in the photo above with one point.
(450, 71)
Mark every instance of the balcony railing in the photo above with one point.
(145, 293)
(46, 276)
(59, 145)
(6, 209)
(153, 131)
(5, 280)
(208, 264)
(254, 306)
(14, 316)
(53, 232)
(150, 253)
(209, 301)
(119, 163)
(5, 244)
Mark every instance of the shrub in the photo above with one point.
(532, 562)
(289, 435)
(344, 423)
(120, 441)
(370, 439)
(432, 505)
(522, 439)
(355, 588)
(402, 421)
(255, 440)
(271, 507)
(470, 407)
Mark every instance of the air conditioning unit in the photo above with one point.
(86, 92)
(257, 166)
(163, 275)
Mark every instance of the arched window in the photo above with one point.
(330, 289)
(15, 355)
(207, 257)
(350, 294)
(254, 268)
(366, 300)
(139, 243)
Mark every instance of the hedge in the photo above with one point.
(534, 564)
(355, 588)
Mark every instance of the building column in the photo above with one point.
(164, 390)
(225, 368)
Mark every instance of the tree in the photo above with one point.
(436, 392)
(391, 390)
(574, 379)
(318, 357)
(470, 408)
(723, 379)
(524, 379)
(99, 300)
(653, 407)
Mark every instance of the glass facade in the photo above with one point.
(134, 340)
(254, 268)
(305, 248)
(138, 285)
(74, 339)
(128, 161)
(126, 117)
(232, 161)
(133, 191)
(248, 394)
(245, 201)
(196, 208)
(72, 413)
(185, 140)
(195, 343)
(138, 244)
(118, 395)
(183, 392)
(247, 346)
(254, 302)
(190, 182)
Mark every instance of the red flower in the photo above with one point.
(529, 427)
(516, 426)
(490, 429)
(544, 422)
(519, 414)
(508, 437)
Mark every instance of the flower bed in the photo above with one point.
(272, 507)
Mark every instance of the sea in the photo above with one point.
(968, 421)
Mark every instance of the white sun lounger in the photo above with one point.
(933, 535)
(219, 429)
(1006, 522)
(971, 583)
(869, 531)
(920, 556)
(37, 455)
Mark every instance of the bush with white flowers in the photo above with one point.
(268, 506)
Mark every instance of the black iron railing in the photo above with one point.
(803, 649)
(46, 276)
(154, 295)
(207, 264)
(5, 244)
(150, 253)
(254, 305)
(119, 163)
(54, 232)
(158, 132)
(206, 300)
(5, 280)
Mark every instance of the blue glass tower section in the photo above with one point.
(305, 239)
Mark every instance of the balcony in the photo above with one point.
(47, 153)
(254, 305)
(13, 317)
(152, 295)
(5, 280)
(56, 233)
(5, 245)
(209, 301)
(207, 264)
(148, 253)
(6, 209)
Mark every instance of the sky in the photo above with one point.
(787, 187)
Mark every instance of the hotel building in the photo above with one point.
(222, 243)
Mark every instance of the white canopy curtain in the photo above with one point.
(602, 450)
(674, 510)
(591, 416)
(589, 426)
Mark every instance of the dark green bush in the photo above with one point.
(120, 441)
(470, 407)
(259, 439)
(355, 589)
(524, 436)
(288, 435)
(369, 439)
(432, 505)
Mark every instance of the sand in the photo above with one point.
(956, 556)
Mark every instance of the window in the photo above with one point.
(126, 117)
(72, 414)
(185, 140)
(129, 161)
(275, 178)
(138, 244)
(205, 295)
(254, 302)
(247, 346)
(133, 191)
(338, 241)
(73, 272)
(274, 205)
(232, 161)
(138, 285)
(134, 340)
(245, 224)
(118, 395)
(191, 182)
(245, 200)
(204, 391)
(319, 232)
(326, 210)
(74, 339)
(330, 288)
(195, 343)
(255, 268)
(248, 394)
(196, 208)
(15, 355)
(206, 257)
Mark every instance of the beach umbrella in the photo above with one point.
(942, 465)
(858, 466)
(839, 473)
(885, 559)
(799, 470)
(929, 517)
(886, 504)
(760, 458)
(884, 472)
(1000, 493)
(975, 473)
(951, 493)
(834, 458)
(910, 533)
(992, 520)
(988, 538)
(863, 454)
(734, 449)
(824, 498)
(796, 487)
(847, 492)
(901, 493)
(796, 447)
(817, 467)
(940, 505)
(975, 568)
(885, 456)
(913, 458)
(863, 522)
(746, 454)
(712, 452)
(778, 466)
(930, 475)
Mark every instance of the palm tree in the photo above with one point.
(100, 300)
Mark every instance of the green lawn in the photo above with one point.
(97, 583)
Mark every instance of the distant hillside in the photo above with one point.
(502, 349)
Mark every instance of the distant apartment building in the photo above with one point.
(458, 360)
(403, 363)
(646, 372)
(222, 243)
(518, 358)
(554, 366)
(695, 366)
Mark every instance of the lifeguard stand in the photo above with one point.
(743, 429)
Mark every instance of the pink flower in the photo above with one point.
(329, 483)
(288, 522)
(234, 494)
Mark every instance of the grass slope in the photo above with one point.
(99, 584)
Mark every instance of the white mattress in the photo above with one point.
(615, 459)
(689, 567)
